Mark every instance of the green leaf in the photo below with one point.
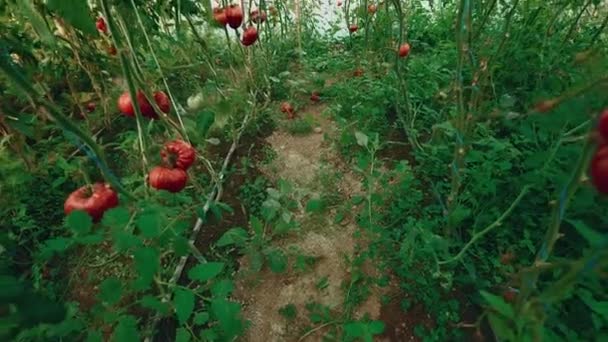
(500, 327)
(315, 205)
(277, 261)
(53, 246)
(498, 304)
(79, 222)
(362, 139)
(201, 318)
(184, 304)
(147, 263)
(222, 288)
(154, 303)
(124, 240)
(206, 271)
(11, 288)
(94, 336)
(234, 236)
(37, 22)
(149, 223)
(181, 246)
(116, 217)
(126, 330)
(75, 12)
(204, 121)
(110, 290)
(593, 238)
(228, 315)
(182, 335)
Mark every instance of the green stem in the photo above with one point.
(489, 228)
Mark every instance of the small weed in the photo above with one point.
(300, 126)
(289, 311)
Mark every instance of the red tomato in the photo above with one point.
(250, 35)
(172, 180)
(162, 101)
(94, 200)
(404, 50)
(258, 16)
(179, 154)
(339, 3)
(602, 125)
(112, 50)
(314, 97)
(287, 108)
(509, 295)
(91, 107)
(353, 28)
(101, 25)
(125, 105)
(234, 14)
(599, 170)
(358, 72)
(371, 9)
(219, 14)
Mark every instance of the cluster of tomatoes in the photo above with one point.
(178, 155)
(233, 17)
(125, 104)
(599, 163)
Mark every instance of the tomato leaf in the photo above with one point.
(147, 264)
(498, 304)
(234, 236)
(116, 217)
(79, 222)
(182, 335)
(110, 291)
(228, 315)
(222, 288)
(149, 223)
(184, 304)
(206, 271)
(126, 330)
(277, 261)
(154, 303)
(315, 205)
(76, 13)
(201, 318)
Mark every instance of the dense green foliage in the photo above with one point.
(473, 150)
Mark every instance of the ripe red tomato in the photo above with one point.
(602, 125)
(234, 14)
(353, 28)
(172, 180)
(404, 50)
(219, 15)
(91, 106)
(371, 9)
(358, 72)
(179, 154)
(94, 200)
(287, 108)
(112, 50)
(258, 16)
(125, 105)
(250, 35)
(101, 25)
(162, 101)
(314, 97)
(599, 170)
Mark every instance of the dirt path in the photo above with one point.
(301, 160)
